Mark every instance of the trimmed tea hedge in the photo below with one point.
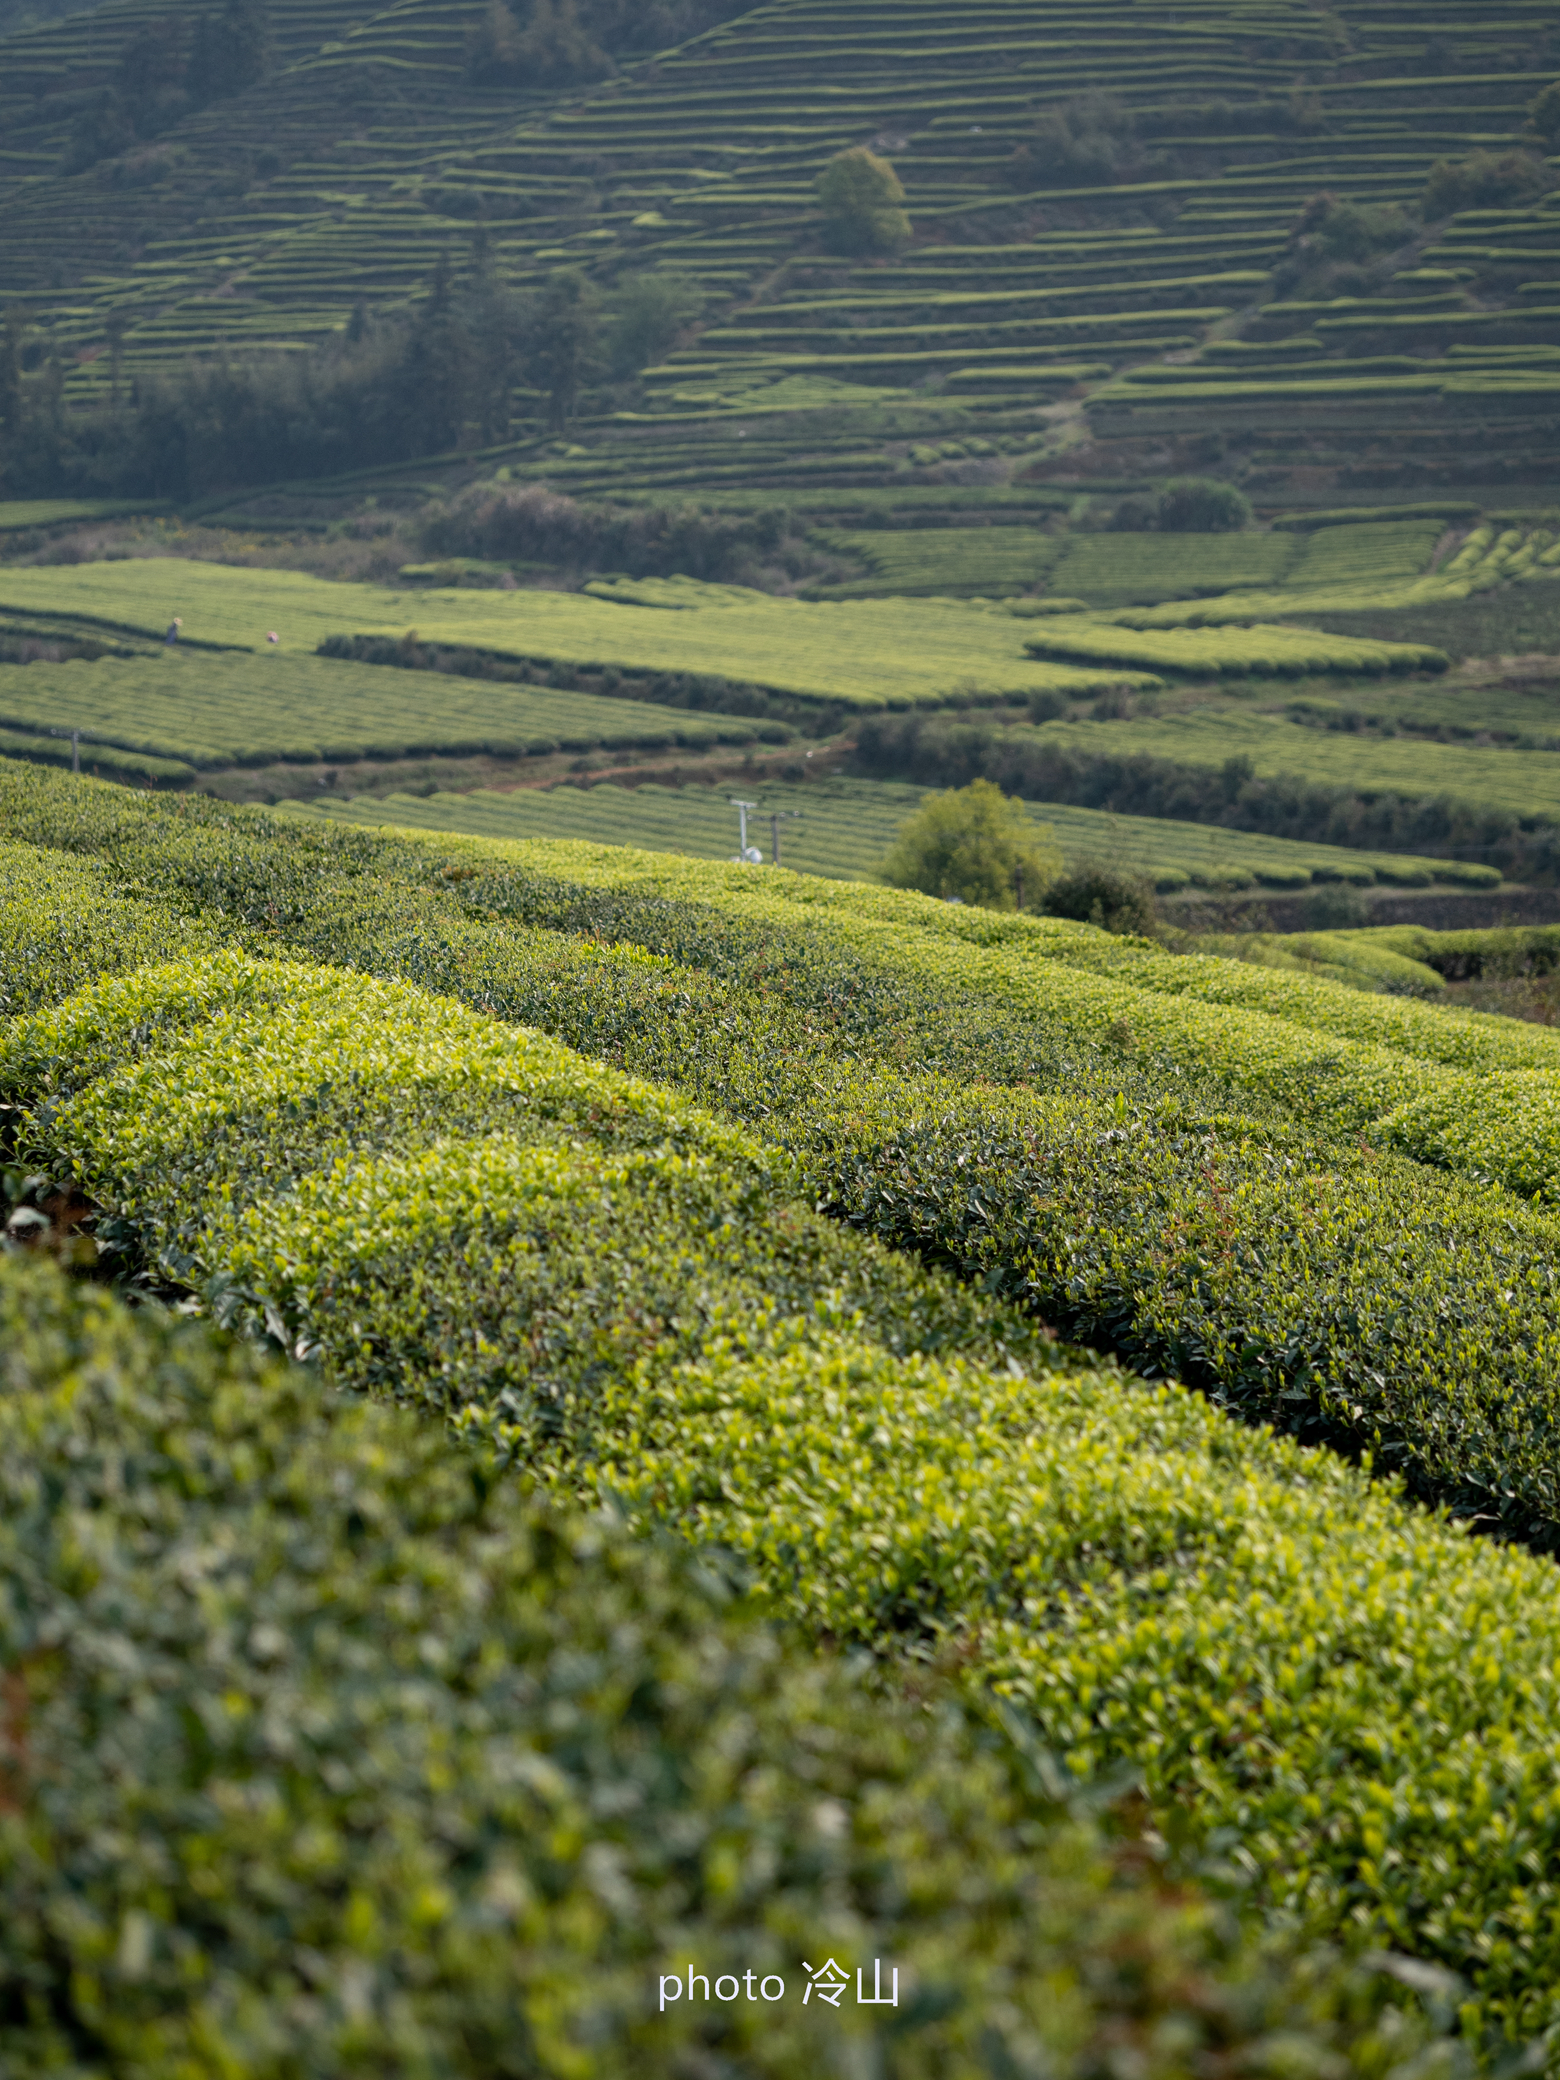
(62, 924)
(776, 1017)
(1335, 956)
(326, 1752)
(1261, 648)
(625, 1298)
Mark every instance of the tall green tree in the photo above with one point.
(555, 48)
(1203, 505)
(647, 314)
(863, 204)
(11, 377)
(1544, 116)
(229, 51)
(974, 845)
(561, 341)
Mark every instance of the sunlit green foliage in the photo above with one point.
(974, 845)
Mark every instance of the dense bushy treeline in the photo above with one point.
(532, 523)
(940, 751)
(415, 382)
(554, 43)
(167, 68)
(376, 393)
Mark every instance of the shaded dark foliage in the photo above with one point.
(413, 384)
(938, 751)
(555, 43)
(534, 524)
(1096, 894)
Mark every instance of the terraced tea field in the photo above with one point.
(843, 828)
(994, 561)
(1031, 284)
(206, 711)
(17, 514)
(1525, 784)
(1257, 650)
(1347, 570)
(861, 655)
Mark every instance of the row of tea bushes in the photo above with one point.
(1085, 1168)
(233, 1108)
(1456, 955)
(1358, 963)
(327, 1752)
(627, 1298)
(1346, 1060)
(62, 923)
(1262, 649)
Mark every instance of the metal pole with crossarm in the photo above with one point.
(776, 818)
(747, 855)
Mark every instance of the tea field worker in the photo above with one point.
(173, 630)
(271, 636)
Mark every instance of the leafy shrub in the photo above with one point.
(1094, 1542)
(863, 204)
(1544, 116)
(1134, 515)
(532, 523)
(1334, 907)
(1349, 230)
(1101, 895)
(1082, 142)
(326, 1752)
(1203, 505)
(648, 312)
(1482, 179)
(974, 845)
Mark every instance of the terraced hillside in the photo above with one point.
(1064, 247)
(612, 1171)
(842, 828)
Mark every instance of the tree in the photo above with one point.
(1341, 230)
(1481, 181)
(230, 51)
(560, 339)
(862, 204)
(1203, 505)
(11, 376)
(1116, 902)
(555, 49)
(648, 312)
(491, 323)
(1081, 143)
(1544, 116)
(493, 47)
(974, 845)
(115, 326)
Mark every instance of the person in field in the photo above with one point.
(173, 630)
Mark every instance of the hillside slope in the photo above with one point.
(1059, 240)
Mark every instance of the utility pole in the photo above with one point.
(747, 855)
(776, 818)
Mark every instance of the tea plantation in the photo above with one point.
(1296, 237)
(618, 1464)
(843, 828)
(748, 1207)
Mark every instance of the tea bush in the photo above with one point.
(327, 1752)
(1097, 1152)
(629, 1299)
